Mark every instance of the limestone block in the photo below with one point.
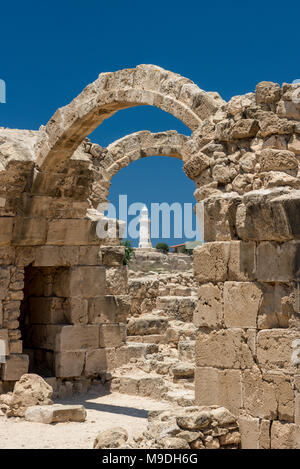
(6, 230)
(275, 349)
(29, 231)
(81, 281)
(112, 438)
(219, 217)
(47, 256)
(116, 280)
(278, 160)
(209, 312)
(278, 262)
(74, 232)
(77, 337)
(227, 348)
(109, 309)
(218, 387)
(285, 435)
(268, 395)
(288, 109)
(89, 255)
(69, 364)
(268, 216)
(112, 255)
(7, 255)
(95, 362)
(44, 335)
(14, 367)
(4, 281)
(271, 124)
(56, 413)
(76, 311)
(267, 92)
(244, 128)
(112, 335)
(241, 304)
(221, 261)
(16, 346)
(196, 165)
(47, 310)
(30, 390)
(249, 428)
(273, 312)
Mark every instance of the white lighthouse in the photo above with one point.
(144, 242)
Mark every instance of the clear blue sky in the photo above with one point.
(51, 50)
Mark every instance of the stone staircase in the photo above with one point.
(164, 369)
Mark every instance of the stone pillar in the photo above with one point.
(145, 242)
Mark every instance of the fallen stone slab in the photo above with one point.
(56, 413)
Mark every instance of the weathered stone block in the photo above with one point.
(14, 367)
(285, 435)
(77, 337)
(29, 231)
(81, 281)
(278, 263)
(275, 349)
(6, 230)
(241, 304)
(116, 280)
(4, 282)
(95, 362)
(69, 364)
(112, 256)
(227, 348)
(55, 413)
(209, 312)
(219, 215)
(76, 311)
(47, 310)
(218, 387)
(112, 335)
(74, 232)
(221, 261)
(269, 216)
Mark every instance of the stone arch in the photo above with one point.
(130, 148)
(142, 144)
(111, 92)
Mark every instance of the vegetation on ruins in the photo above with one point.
(128, 251)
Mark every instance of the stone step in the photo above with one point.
(139, 383)
(147, 339)
(184, 398)
(186, 350)
(146, 325)
(139, 349)
(178, 307)
(183, 370)
(180, 331)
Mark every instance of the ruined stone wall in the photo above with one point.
(75, 312)
(248, 316)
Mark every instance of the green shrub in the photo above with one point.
(162, 247)
(128, 251)
(184, 250)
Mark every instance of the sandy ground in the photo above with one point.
(103, 412)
